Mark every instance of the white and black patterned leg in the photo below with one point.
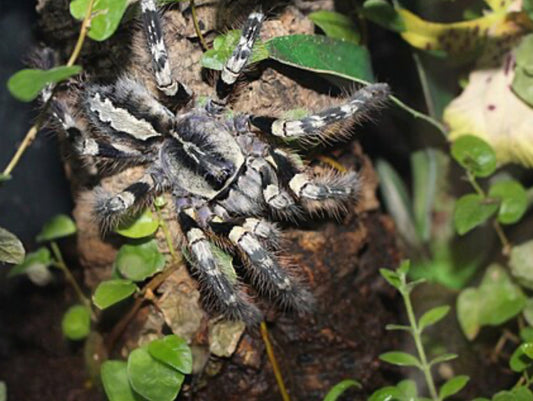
(160, 61)
(110, 209)
(266, 272)
(237, 62)
(222, 291)
(329, 192)
(276, 197)
(362, 102)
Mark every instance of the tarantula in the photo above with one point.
(227, 179)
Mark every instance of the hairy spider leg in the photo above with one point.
(224, 293)
(263, 267)
(328, 192)
(110, 209)
(235, 65)
(160, 61)
(361, 103)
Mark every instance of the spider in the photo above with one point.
(227, 174)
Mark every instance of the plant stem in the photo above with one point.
(197, 26)
(149, 287)
(61, 265)
(32, 132)
(418, 342)
(166, 232)
(425, 86)
(274, 363)
(506, 244)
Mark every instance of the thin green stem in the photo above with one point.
(425, 367)
(417, 114)
(197, 27)
(425, 86)
(61, 265)
(34, 130)
(474, 183)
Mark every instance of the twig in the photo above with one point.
(274, 363)
(151, 286)
(32, 132)
(197, 27)
(61, 265)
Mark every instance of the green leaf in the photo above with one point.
(139, 261)
(112, 291)
(432, 316)
(35, 265)
(397, 327)
(336, 25)
(117, 387)
(4, 177)
(391, 277)
(526, 334)
(383, 14)
(76, 323)
(11, 249)
(58, 227)
(468, 310)
(107, 15)
(407, 389)
(424, 173)
(494, 302)
(522, 357)
(472, 210)
(223, 47)
(442, 358)
(152, 379)
(521, 264)
(26, 84)
(322, 54)
(528, 313)
(3, 391)
(400, 358)
(142, 225)
(513, 198)
(173, 351)
(340, 388)
(404, 267)
(397, 202)
(520, 393)
(523, 78)
(388, 393)
(453, 386)
(475, 155)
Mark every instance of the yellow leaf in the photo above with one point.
(498, 5)
(465, 38)
(490, 110)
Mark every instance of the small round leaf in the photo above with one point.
(76, 323)
(522, 357)
(468, 311)
(26, 84)
(152, 379)
(400, 358)
(107, 15)
(173, 351)
(472, 210)
(139, 261)
(58, 227)
(112, 291)
(513, 198)
(117, 387)
(453, 386)
(11, 249)
(140, 226)
(475, 155)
